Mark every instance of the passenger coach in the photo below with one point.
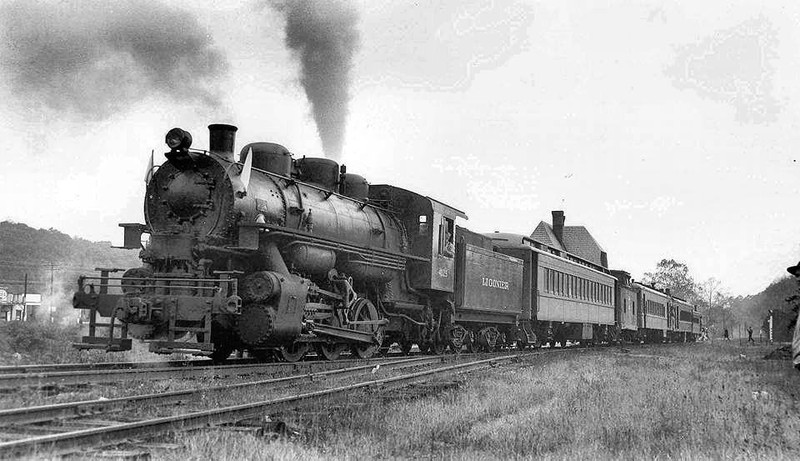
(569, 299)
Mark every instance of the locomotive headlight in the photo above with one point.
(177, 138)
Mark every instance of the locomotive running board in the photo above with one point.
(344, 333)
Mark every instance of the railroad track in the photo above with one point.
(63, 367)
(51, 367)
(72, 437)
(53, 376)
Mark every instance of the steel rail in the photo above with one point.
(64, 443)
(63, 378)
(49, 367)
(68, 410)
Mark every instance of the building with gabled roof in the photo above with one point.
(571, 239)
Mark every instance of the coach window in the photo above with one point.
(546, 283)
(556, 282)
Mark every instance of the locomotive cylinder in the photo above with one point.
(310, 259)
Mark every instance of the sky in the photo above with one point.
(668, 129)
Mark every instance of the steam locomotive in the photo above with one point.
(277, 255)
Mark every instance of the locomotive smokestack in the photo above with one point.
(558, 225)
(221, 140)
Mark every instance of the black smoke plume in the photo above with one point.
(92, 58)
(324, 38)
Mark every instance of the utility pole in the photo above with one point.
(52, 309)
(24, 296)
(770, 326)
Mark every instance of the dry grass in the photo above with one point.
(25, 343)
(685, 402)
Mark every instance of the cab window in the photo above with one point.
(447, 240)
(423, 225)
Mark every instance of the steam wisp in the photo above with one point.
(323, 37)
(93, 58)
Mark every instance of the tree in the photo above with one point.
(672, 275)
(708, 292)
(718, 308)
(720, 315)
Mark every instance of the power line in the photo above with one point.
(22, 282)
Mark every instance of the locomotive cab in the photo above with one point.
(431, 230)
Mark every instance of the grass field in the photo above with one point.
(718, 401)
(25, 343)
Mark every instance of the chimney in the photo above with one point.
(221, 140)
(558, 225)
(604, 259)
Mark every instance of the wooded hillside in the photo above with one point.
(40, 253)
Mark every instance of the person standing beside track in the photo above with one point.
(795, 271)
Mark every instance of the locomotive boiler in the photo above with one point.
(275, 254)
